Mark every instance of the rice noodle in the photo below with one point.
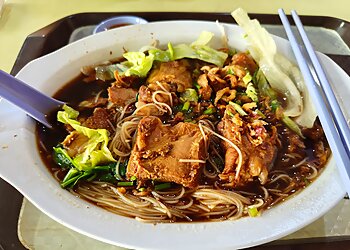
(191, 161)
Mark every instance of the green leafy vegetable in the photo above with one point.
(264, 88)
(201, 52)
(61, 157)
(108, 177)
(263, 49)
(209, 111)
(238, 108)
(96, 150)
(137, 63)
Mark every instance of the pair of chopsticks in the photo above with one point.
(331, 117)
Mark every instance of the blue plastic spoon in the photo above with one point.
(32, 101)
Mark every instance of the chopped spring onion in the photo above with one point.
(247, 78)
(162, 186)
(238, 108)
(125, 184)
(261, 114)
(189, 95)
(274, 105)
(209, 111)
(189, 120)
(251, 92)
(133, 178)
(186, 106)
(196, 85)
(253, 211)
(230, 72)
(230, 113)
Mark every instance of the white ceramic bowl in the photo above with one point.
(21, 166)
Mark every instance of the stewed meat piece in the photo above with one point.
(121, 96)
(158, 149)
(256, 144)
(176, 73)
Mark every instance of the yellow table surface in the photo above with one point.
(22, 17)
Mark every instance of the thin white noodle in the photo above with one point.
(266, 193)
(300, 163)
(191, 161)
(314, 173)
(162, 104)
(97, 96)
(213, 164)
(259, 203)
(281, 176)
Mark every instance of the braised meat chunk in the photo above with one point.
(159, 149)
(101, 118)
(245, 61)
(256, 144)
(121, 96)
(176, 73)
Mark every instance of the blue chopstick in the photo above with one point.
(341, 123)
(329, 119)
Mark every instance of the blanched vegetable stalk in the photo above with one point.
(281, 75)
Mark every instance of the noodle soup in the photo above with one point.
(189, 141)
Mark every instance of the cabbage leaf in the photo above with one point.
(137, 63)
(95, 150)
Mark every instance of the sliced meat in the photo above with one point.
(245, 61)
(257, 146)
(205, 90)
(159, 148)
(176, 73)
(215, 76)
(125, 81)
(146, 109)
(225, 94)
(75, 143)
(121, 96)
(101, 118)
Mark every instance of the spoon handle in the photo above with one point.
(32, 101)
